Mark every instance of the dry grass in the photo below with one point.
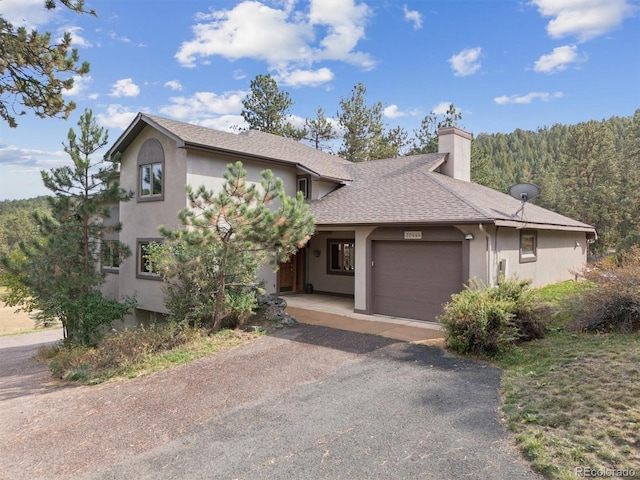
(12, 322)
(573, 400)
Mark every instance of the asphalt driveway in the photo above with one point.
(311, 402)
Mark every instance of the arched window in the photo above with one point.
(150, 171)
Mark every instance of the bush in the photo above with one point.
(116, 351)
(613, 304)
(489, 321)
(90, 315)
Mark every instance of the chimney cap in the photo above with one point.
(455, 131)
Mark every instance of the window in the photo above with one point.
(151, 180)
(341, 258)
(303, 186)
(528, 246)
(146, 268)
(110, 255)
(150, 171)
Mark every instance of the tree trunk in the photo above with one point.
(217, 314)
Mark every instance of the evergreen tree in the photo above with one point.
(320, 130)
(34, 72)
(362, 125)
(393, 143)
(59, 274)
(266, 109)
(426, 137)
(211, 263)
(589, 175)
(629, 189)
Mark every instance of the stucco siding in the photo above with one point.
(317, 268)
(207, 169)
(140, 220)
(319, 189)
(559, 255)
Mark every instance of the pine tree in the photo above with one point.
(426, 137)
(363, 126)
(320, 130)
(211, 263)
(266, 109)
(589, 175)
(59, 274)
(34, 72)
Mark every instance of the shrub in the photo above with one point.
(613, 304)
(489, 321)
(116, 351)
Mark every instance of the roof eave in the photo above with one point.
(545, 226)
(271, 160)
(134, 129)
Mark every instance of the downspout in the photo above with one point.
(489, 265)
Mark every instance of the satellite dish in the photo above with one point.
(524, 192)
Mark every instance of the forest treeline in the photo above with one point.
(589, 171)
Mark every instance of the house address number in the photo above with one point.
(411, 235)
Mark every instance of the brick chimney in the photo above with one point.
(457, 143)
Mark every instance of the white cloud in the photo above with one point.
(250, 30)
(31, 158)
(558, 60)
(309, 78)
(392, 111)
(124, 88)
(79, 85)
(174, 85)
(113, 35)
(585, 19)
(116, 116)
(413, 16)
(441, 108)
(283, 37)
(528, 98)
(466, 62)
(25, 13)
(204, 105)
(77, 40)
(345, 22)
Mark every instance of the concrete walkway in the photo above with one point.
(337, 312)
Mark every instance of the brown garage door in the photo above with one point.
(414, 279)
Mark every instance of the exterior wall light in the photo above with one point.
(468, 236)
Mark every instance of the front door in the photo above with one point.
(291, 273)
(288, 275)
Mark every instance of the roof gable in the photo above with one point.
(255, 144)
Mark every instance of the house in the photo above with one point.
(398, 235)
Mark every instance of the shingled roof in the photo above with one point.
(252, 143)
(406, 190)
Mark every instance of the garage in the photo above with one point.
(412, 279)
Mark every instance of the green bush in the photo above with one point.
(490, 320)
(613, 304)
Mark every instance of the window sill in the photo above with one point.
(148, 276)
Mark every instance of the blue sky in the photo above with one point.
(505, 64)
